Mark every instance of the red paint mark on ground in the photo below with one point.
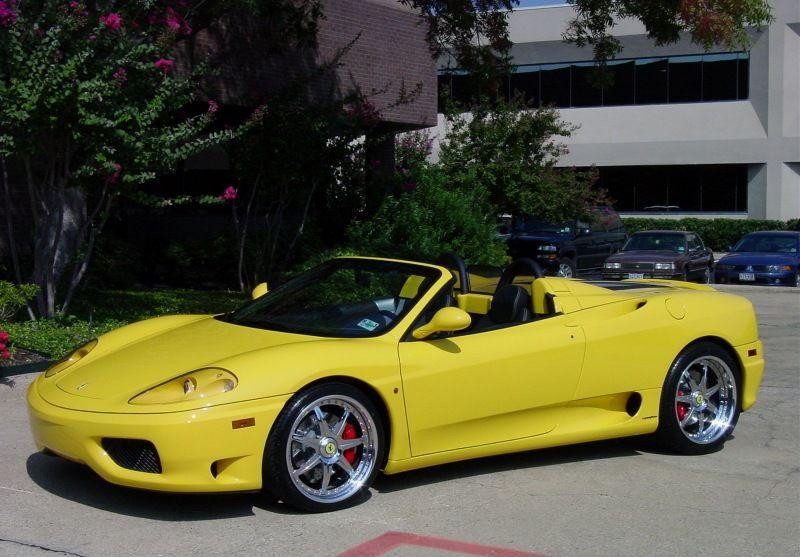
(391, 540)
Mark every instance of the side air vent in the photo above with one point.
(133, 454)
(633, 404)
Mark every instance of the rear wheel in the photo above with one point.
(325, 448)
(699, 401)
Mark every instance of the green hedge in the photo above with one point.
(718, 234)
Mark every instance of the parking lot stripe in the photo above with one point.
(385, 543)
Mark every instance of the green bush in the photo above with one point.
(13, 297)
(718, 234)
(98, 312)
(431, 217)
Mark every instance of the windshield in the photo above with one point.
(530, 226)
(763, 242)
(656, 242)
(340, 298)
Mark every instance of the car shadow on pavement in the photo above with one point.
(615, 448)
(80, 484)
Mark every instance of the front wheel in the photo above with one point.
(325, 448)
(699, 401)
(566, 268)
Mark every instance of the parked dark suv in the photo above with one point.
(569, 248)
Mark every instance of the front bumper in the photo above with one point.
(200, 451)
(777, 278)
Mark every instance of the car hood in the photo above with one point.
(539, 238)
(125, 363)
(757, 258)
(647, 256)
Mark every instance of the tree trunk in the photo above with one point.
(58, 238)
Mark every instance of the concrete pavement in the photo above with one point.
(611, 498)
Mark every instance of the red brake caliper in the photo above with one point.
(681, 408)
(349, 433)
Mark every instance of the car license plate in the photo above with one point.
(635, 275)
(747, 276)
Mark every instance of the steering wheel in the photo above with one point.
(516, 268)
(454, 262)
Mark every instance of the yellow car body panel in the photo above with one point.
(559, 379)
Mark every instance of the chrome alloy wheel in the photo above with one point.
(705, 400)
(332, 449)
(564, 270)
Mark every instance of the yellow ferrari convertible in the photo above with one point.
(366, 364)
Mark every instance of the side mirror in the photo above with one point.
(259, 290)
(445, 320)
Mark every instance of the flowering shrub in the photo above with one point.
(5, 345)
(93, 105)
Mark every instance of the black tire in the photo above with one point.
(278, 481)
(567, 265)
(670, 433)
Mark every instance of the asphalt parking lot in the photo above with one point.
(611, 498)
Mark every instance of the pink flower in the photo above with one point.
(74, 5)
(114, 177)
(164, 65)
(92, 37)
(120, 76)
(5, 354)
(4, 336)
(112, 21)
(2, 347)
(8, 13)
(229, 194)
(212, 106)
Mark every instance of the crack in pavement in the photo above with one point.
(42, 547)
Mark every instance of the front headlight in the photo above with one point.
(71, 358)
(548, 248)
(195, 385)
(612, 265)
(776, 268)
(665, 266)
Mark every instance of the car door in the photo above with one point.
(584, 245)
(699, 256)
(488, 387)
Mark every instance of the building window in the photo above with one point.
(525, 83)
(673, 79)
(651, 80)
(555, 85)
(678, 188)
(719, 77)
(685, 77)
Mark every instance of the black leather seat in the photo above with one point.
(511, 304)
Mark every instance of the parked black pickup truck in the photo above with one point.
(569, 248)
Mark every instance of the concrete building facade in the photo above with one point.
(681, 132)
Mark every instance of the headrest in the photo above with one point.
(508, 304)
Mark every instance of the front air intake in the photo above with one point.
(133, 454)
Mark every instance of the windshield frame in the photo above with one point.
(433, 275)
(752, 236)
(624, 247)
